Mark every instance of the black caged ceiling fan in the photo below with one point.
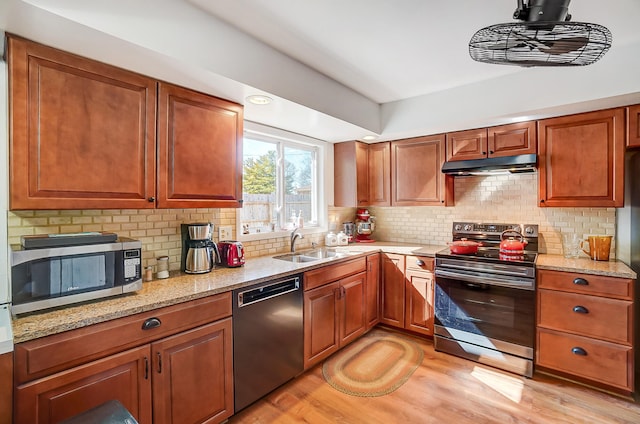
(545, 37)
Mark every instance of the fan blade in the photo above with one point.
(565, 45)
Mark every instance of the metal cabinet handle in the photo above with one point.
(491, 152)
(580, 309)
(151, 323)
(579, 351)
(581, 282)
(159, 362)
(146, 368)
(419, 262)
(151, 199)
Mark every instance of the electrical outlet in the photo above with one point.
(224, 232)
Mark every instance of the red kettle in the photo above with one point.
(231, 253)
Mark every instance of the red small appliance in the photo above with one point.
(231, 253)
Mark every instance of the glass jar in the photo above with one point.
(163, 267)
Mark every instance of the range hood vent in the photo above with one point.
(491, 166)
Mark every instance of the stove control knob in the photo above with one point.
(468, 227)
(457, 227)
(529, 230)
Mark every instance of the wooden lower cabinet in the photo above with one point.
(393, 289)
(186, 378)
(178, 370)
(585, 328)
(6, 388)
(334, 315)
(372, 291)
(124, 376)
(407, 293)
(193, 375)
(419, 312)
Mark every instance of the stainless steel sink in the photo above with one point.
(310, 255)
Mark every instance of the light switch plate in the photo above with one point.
(224, 232)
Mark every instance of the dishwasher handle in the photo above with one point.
(268, 291)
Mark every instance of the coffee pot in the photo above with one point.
(199, 252)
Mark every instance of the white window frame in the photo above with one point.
(324, 161)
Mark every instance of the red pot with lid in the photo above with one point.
(464, 247)
(509, 245)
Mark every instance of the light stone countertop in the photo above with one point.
(180, 287)
(585, 266)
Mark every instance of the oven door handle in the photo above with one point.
(478, 279)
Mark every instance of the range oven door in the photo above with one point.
(491, 316)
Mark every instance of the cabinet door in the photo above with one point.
(512, 139)
(351, 174)
(320, 323)
(373, 290)
(193, 375)
(352, 308)
(82, 132)
(467, 145)
(6, 387)
(581, 160)
(416, 172)
(199, 150)
(379, 174)
(419, 302)
(124, 376)
(393, 290)
(633, 126)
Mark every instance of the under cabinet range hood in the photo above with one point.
(491, 166)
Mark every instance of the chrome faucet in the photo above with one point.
(295, 235)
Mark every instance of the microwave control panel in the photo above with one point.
(132, 265)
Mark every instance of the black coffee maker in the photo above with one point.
(199, 252)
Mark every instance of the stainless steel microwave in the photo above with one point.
(43, 278)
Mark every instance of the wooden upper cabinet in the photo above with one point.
(379, 174)
(581, 159)
(467, 145)
(82, 133)
(362, 174)
(416, 177)
(633, 126)
(199, 150)
(504, 140)
(512, 139)
(351, 183)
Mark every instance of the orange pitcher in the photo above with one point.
(599, 247)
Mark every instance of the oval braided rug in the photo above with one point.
(375, 365)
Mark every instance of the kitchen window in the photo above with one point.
(281, 182)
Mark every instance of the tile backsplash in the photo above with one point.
(509, 198)
(504, 198)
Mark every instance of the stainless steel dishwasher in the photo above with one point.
(268, 338)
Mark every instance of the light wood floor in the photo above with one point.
(444, 389)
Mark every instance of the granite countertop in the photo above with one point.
(180, 287)
(585, 266)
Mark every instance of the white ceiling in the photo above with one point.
(340, 69)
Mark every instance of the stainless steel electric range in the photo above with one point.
(485, 302)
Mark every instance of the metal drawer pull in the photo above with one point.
(579, 351)
(420, 262)
(580, 309)
(581, 282)
(151, 323)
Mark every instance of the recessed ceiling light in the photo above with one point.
(369, 137)
(259, 99)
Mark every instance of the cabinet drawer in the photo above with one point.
(606, 319)
(418, 263)
(621, 288)
(40, 357)
(602, 362)
(321, 276)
